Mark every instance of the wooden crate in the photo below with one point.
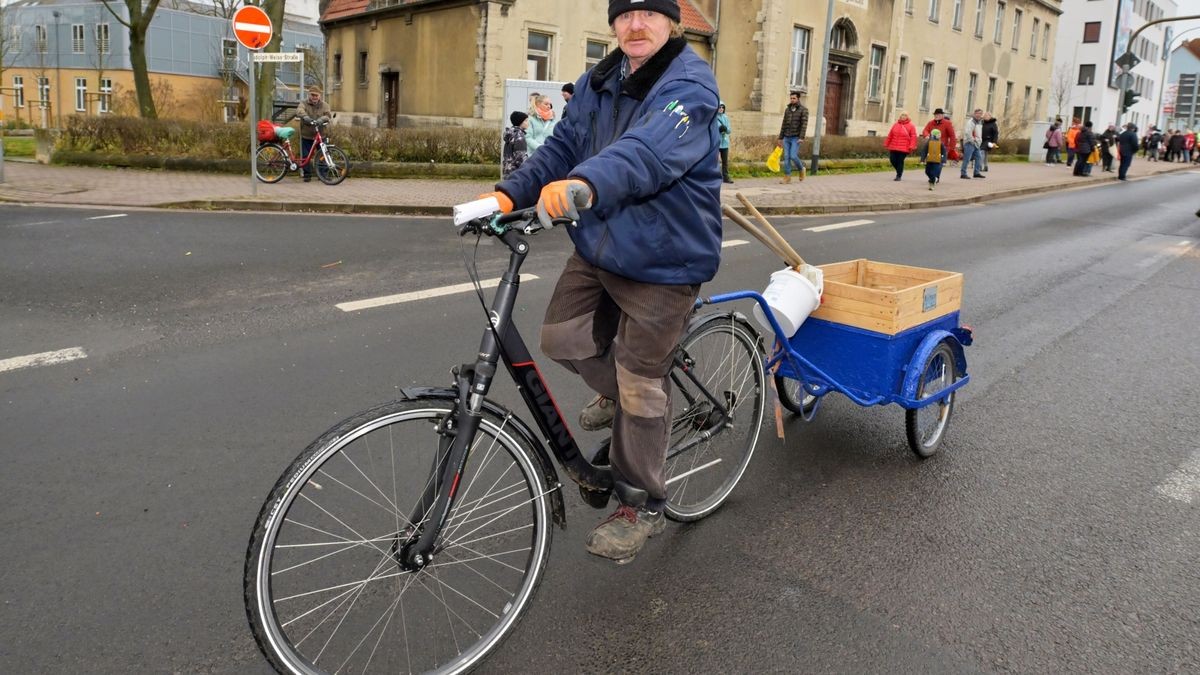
(887, 298)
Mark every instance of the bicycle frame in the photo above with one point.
(301, 162)
(503, 342)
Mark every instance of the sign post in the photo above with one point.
(252, 28)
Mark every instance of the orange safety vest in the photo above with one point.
(1071, 134)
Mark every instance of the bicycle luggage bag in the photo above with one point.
(266, 131)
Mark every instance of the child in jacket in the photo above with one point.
(934, 156)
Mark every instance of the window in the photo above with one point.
(105, 95)
(908, 7)
(800, 41)
(1025, 102)
(972, 83)
(337, 70)
(39, 38)
(951, 79)
(537, 56)
(80, 94)
(14, 39)
(1046, 41)
(1007, 97)
(874, 77)
(926, 81)
(956, 22)
(1091, 31)
(1033, 37)
(1017, 14)
(19, 91)
(1087, 73)
(998, 32)
(362, 69)
(43, 91)
(934, 10)
(102, 38)
(980, 9)
(1037, 104)
(77, 38)
(991, 97)
(901, 80)
(594, 53)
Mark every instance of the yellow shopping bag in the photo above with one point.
(773, 159)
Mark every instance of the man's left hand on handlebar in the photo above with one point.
(563, 199)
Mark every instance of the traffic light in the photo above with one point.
(1131, 97)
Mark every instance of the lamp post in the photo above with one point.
(819, 118)
(57, 73)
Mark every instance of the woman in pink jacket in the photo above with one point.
(901, 141)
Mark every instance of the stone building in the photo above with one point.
(406, 62)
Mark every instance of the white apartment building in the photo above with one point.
(1092, 34)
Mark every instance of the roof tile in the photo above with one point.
(692, 19)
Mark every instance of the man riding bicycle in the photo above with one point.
(638, 156)
(311, 111)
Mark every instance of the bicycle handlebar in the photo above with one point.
(483, 216)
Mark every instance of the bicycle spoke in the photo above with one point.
(339, 521)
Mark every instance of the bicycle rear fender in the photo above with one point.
(549, 473)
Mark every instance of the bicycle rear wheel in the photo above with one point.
(336, 169)
(323, 589)
(708, 453)
(271, 163)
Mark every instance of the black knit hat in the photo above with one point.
(618, 7)
(518, 118)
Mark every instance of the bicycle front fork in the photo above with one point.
(414, 548)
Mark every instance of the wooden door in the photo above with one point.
(391, 97)
(833, 103)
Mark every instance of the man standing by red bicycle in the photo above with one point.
(639, 152)
(311, 111)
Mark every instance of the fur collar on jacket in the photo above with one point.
(639, 84)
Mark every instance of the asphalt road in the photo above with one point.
(1056, 531)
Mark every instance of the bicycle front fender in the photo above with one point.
(549, 473)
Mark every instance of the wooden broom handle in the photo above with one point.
(772, 232)
(759, 235)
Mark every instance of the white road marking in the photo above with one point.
(40, 222)
(734, 242)
(422, 295)
(43, 359)
(1184, 484)
(1171, 253)
(839, 226)
(114, 215)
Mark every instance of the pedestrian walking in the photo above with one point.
(1085, 142)
(934, 156)
(900, 142)
(724, 130)
(791, 133)
(1070, 136)
(991, 137)
(1054, 143)
(516, 150)
(568, 92)
(946, 128)
(1107, 140)
(1153, 143)
(1127, 147)
(972, 143)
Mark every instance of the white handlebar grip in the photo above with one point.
(480, 208)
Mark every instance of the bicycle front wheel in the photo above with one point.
(336, 169)
(710, 449)
(271, 163)
(324, 591)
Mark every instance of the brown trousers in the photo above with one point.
(620, 336)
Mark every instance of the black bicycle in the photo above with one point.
(411, 537)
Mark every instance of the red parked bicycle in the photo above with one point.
(275, 159)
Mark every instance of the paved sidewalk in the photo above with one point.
(35, 183)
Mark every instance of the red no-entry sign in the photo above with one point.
(252, 27)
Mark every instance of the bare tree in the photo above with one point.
(138, 24)
(100, 58)
(314, 66)
(265, 104)
(1062, 82)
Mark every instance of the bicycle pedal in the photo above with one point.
(597, 499)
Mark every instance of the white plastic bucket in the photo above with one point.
(792, 295)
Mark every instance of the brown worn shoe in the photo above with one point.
(785, 180)
(624, 533)
(800, 176)
(598, 414)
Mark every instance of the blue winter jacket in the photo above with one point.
(647, 144)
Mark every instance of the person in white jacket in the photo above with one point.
(972, 140)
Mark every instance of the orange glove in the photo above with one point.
(506, 204)
(563, 199)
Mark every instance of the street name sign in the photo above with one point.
(252, 27)
(277, 57)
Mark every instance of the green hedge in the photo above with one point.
(132, 136)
